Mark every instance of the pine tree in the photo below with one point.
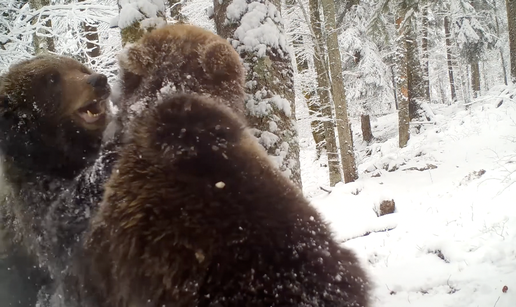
(255, 28)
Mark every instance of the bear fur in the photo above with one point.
(179, 58)
(52, 120)
(195, 214)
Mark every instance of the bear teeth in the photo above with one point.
(92, 114)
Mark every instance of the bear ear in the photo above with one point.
(221, 62)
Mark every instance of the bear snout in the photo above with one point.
(98, 81)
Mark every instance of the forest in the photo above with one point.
(396, 117)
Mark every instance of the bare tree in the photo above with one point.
(255, 28)
(511, 17)
(347, 154)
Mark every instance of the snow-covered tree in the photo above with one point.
(255, 28)
(474, 35)
(42, 38)
(511, 17)
(347, 154)
(66, 30)
(139, 16)
(366, 75)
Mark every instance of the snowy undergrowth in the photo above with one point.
(452, 239)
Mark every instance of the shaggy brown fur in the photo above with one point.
(179, 58)
(49, 134)
(44, 102)
(195, 214)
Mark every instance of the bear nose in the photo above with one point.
(97, 80)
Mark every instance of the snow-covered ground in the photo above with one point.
(452, 238)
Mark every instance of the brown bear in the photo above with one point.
(179, 58)
(195, 214)
(52, 119)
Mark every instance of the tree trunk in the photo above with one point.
(511, 18)
(323, 91)
(339, 94)
(42, 43)
(500, 48)
(92, 39)
(131, 33)
(416, 85)
(176, 11)
(402, 78)
(475, 78)
(270, 105)
(424, 49)
(367, 134)
(394, 86)
(449, 57)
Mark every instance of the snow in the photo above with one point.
(139, 10)
(452, 239)
(259, 28)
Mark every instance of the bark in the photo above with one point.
(270, 105)
(133, 32)
(511, 18)
(449, 57)
(402, 83)
(176, 7)
(365, 122)
(424, 49)
(416, 85)
(339, 94)
(42, 43)
(475, 78)
(323, 91)
(502, 58)
(92, 39)
(394, 86)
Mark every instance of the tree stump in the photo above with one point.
(367, 134)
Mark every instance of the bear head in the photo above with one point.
(52, 115)
(180, 58)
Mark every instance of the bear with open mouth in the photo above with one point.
(53, 114)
